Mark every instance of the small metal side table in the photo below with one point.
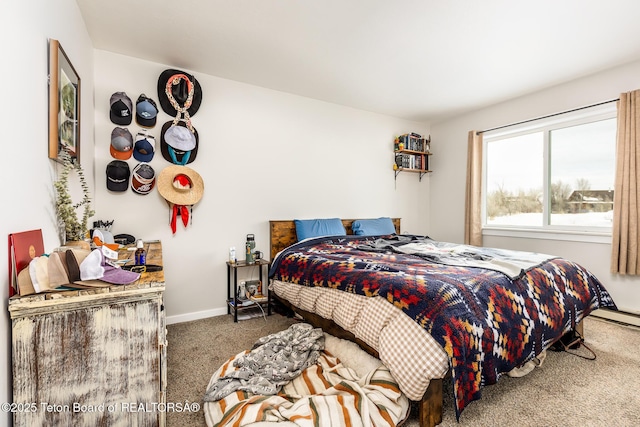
(232, 285)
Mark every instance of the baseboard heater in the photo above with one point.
(618, 316)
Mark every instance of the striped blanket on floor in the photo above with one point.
(325, 394)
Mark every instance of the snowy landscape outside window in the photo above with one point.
(554, 175)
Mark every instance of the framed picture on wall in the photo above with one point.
(64, 104)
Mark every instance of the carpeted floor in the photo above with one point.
(565, 391)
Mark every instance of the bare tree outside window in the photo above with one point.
(578, 191)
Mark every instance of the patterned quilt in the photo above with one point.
(487, 321)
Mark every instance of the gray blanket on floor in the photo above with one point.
(273, 361)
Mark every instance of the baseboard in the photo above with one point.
(618, 316)
(188, 317)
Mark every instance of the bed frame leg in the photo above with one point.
(580, 328)
(431, 404)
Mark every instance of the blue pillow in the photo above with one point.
(306, 228)
(373, 227)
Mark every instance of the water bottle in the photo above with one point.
(250, 246)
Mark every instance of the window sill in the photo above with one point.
(563, 235)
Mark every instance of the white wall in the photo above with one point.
(448, 183)
(263, 155)
(27, 173)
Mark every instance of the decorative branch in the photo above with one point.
(65, 209)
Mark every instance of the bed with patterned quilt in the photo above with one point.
(427, 309)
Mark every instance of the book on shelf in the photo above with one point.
(258, 298)
(413, 142)
(23, 247)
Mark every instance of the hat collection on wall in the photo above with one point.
(179, 96)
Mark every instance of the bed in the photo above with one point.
(431, 311)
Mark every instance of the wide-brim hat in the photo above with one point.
(170, 189)
(179, 91)
(177, 154)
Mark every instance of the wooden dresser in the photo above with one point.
(92, 357)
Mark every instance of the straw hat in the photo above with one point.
(180, 185)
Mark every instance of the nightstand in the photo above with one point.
(233, 303)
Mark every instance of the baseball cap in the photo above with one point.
(96, 267)
(73, 259)
(121, 108)
(146, 111)
(25, 284)
(143, 179)
(118, 174)
(58, 273)
(144, 148)
(121, 143)
(39, 274)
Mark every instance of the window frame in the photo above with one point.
(546, 126)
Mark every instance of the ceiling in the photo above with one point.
(423, 60)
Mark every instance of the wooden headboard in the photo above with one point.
(282, 233)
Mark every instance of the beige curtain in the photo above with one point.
(626, 197)
(473, 192)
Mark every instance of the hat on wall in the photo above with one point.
(118, 174)
(180, 185)
(146, 111)
(181, 89)
(143, 179)
(121, 143)
(180, 138)
(144, 147)
(175, 140)
(96, 267)
(121, 108)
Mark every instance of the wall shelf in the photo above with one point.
(411, 152)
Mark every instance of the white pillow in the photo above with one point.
(351, 355)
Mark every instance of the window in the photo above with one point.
(553, 174)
